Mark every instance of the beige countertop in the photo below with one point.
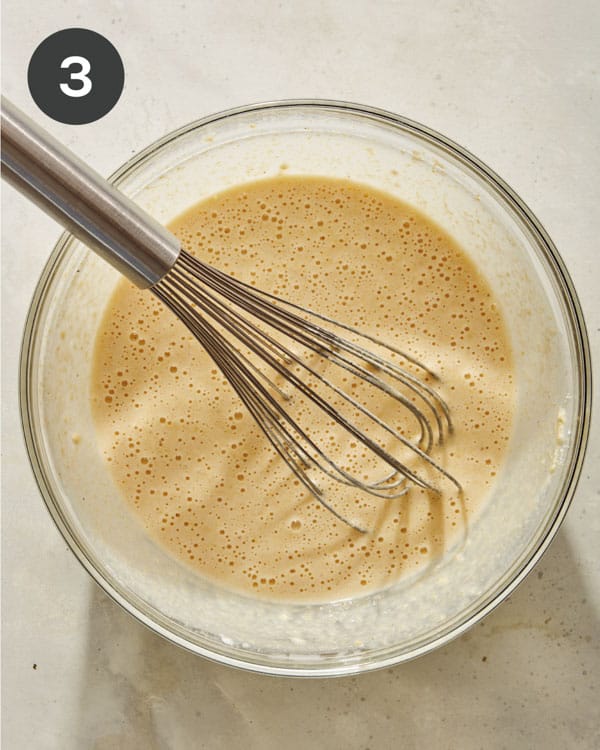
(517, 83)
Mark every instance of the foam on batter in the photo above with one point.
(196, 469)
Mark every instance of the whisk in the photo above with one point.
(290, 366)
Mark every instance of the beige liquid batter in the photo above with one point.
(193, 464)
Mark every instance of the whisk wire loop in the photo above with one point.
(238, 324)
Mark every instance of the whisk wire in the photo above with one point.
(239, 327)
(198, 293)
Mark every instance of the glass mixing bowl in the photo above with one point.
(552, 365)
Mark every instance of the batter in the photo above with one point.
(197, 470)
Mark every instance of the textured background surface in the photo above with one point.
(516, 83)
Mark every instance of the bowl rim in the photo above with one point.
(581, 426)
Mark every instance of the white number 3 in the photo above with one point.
(79, 75)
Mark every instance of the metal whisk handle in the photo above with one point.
(84, 202)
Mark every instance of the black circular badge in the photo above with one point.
(75, 76)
